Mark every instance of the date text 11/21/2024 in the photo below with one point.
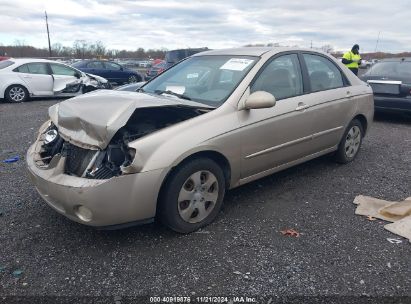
(203, 299)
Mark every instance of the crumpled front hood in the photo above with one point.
(98, 78)
(91, 120)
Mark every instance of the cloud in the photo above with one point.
(213, 23)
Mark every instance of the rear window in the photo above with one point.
(6, 63)
(391, 69)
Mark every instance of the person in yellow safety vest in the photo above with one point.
(352, 59)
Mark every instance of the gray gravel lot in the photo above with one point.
(243, 252)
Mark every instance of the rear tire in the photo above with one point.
(133, 79)
(16, 93)
(350, 143)
(192, 196)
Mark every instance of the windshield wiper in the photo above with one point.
(169, 92)
(140, 90)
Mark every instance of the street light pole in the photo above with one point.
(48, 33)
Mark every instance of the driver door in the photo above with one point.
(65, 79)
(280, 134)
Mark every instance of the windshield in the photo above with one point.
(5, 64)
(391, 69)
(206, 79)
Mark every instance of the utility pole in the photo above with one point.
(48, 33)
(378, 40)
(311, 44)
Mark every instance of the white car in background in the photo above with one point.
(21, 79)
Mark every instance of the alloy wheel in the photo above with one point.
(17, 94)
(132, 79)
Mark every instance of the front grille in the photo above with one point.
(77, 159)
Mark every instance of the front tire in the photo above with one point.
(192, 196)
(350, 143)
(16, 93)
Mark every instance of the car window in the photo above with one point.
(22, 69)
(391, 69)
(4, 64)
(95, 65)
(59, 69)
(323, 73)
(112, 66)
(281, 77)
(38, 68)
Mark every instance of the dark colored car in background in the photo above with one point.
(390, 80)
(109, 70)
(174, 56)
(171, 58)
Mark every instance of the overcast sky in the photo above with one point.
(123, 24)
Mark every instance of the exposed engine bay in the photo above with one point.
(107, 163)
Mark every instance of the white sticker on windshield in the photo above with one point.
(192, 75)
(176, 89)
(236, 64)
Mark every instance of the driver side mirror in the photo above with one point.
(259, 100)
(77, 75)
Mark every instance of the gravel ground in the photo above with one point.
(242, 253)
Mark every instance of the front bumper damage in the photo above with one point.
(118, 200)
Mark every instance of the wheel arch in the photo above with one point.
(218, 157)
(363, 120)
(8, 86)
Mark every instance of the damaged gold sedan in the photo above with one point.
(215, 121)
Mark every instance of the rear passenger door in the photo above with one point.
(96, 68)
(330, 99)
(37, 77)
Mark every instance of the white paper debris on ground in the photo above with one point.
(399, 213)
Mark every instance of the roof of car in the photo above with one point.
(252, 51)
(27, 60)
(397, 59)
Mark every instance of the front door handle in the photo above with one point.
(301, 106)
(25, 76)
(348, 94)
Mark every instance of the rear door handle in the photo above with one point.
(301, 106)
(348, 94)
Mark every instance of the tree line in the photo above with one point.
(81, 49)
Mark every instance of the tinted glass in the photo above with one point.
(391, 69)
(112, 66)
(323, 73)
(22, 69)
(281, 77)
(62, 70)
(38, 68)
(95, 65)
(4, 64)
(78, 64)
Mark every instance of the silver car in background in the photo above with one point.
(213, 122)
